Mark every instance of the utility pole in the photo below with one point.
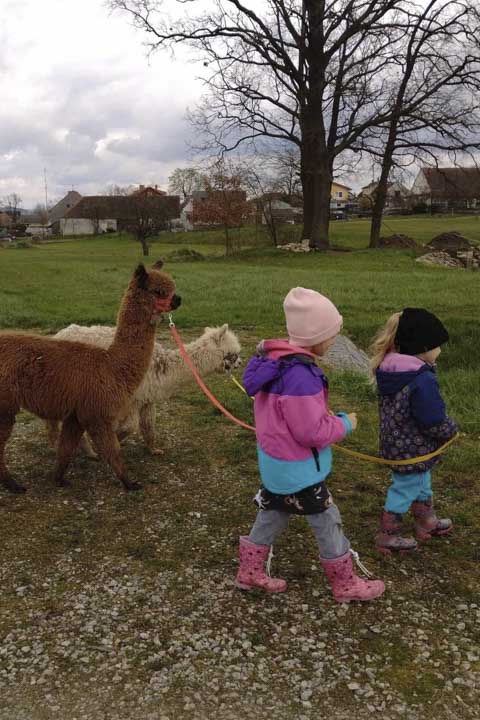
(46, 192)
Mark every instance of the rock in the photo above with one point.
(345, 355)
(303, 246)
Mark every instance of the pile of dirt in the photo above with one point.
(452, 249)
(398, 241)
(451, 243)
(467, 260)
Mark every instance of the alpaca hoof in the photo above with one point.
(61, 482)
(133, 486)
(10, 484)
(155, 451)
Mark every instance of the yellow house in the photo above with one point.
(338, 195)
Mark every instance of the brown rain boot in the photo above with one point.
(390, 539)
(427, 524)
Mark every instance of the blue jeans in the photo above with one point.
(405, 489)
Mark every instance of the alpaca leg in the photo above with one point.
(87, 447)
(53, 432)
(6, 426)
(108, 448)
(70, 436)
(147, 427)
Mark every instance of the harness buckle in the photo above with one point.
(170, 320)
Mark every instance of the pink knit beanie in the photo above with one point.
(311, 317)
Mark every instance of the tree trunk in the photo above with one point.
(144, 243)
(228, 248)
(382, 187)
(378, 206)
(317, 183)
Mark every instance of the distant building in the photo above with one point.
(95, 214)
(396, 200)
(5, 220)
(339, 195)
(149, 191)
(445, 188)
(58, 211)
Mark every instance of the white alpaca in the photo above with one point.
(217, 349)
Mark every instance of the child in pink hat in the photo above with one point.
(295, 429)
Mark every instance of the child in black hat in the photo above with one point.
(413, 423)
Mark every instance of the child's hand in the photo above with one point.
(353, 420)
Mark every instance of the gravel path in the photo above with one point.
(119, 607)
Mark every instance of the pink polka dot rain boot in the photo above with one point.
(251, 573)
(345, 584)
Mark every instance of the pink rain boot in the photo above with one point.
(390, 539)
(251, 573)
(427, 524)
(345, 584)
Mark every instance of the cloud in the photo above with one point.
(80, 99)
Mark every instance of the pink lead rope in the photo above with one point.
(199, 380)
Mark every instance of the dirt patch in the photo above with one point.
(398, 241)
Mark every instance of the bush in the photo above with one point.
(19, 245)
(185, 255)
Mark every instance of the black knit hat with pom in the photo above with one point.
(419, 331)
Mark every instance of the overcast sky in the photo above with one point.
(79, 98)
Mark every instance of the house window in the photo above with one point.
(397, 193)
(339, 194)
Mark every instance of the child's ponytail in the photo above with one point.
(384, 341)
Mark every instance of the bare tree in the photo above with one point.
(434, 96)
(11, 205)
(40, 214)
(183, 181)
(122, 190)
(149, 214)
(225, 203)
(304, 72)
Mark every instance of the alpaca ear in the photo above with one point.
(223, 331)
(141, 276)
(157, 265)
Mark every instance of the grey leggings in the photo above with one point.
(327, 527)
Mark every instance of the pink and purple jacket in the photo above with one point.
(294, 425)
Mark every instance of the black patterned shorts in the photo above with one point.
(309, 501)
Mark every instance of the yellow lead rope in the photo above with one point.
(373, 458)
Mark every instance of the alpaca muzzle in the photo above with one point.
(175, 302)
(231, 361)
(167, 304)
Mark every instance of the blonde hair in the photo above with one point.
(384, 341)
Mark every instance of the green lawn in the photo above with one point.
(177, 539)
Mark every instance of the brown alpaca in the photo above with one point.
(82, 385)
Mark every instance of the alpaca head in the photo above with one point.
(226, 345)
(156, 289)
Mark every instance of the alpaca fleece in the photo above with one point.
(215, 350)
(85, 387)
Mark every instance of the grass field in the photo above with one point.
(127, 609)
